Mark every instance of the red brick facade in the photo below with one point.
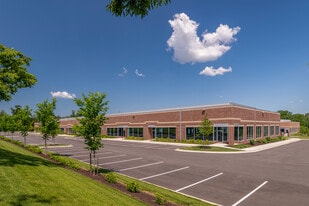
(231, 122)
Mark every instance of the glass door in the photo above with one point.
(220, 133)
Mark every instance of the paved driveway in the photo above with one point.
(277, 176)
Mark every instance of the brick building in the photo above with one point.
(289, 127)
(231, 123)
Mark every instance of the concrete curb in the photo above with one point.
(248, 150)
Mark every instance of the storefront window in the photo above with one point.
(258, 131)
(166, 132)
(112, 132)
(265, 131)
(136, 132)
(272, 130)
(277, 130)
(238, 133)
(193, 133)
(249, 132)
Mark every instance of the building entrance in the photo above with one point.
(220, 133)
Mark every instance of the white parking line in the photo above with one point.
(166, 148)
(69, 150)
(253, 191)
(89, 153)
(127, 145)
(108, 157)
(199, 182)
(164, 173)
(131, 168)
(81, 152)
(156, 146)
(109, 163)
(84, 155)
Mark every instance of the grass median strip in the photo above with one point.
(207, 148)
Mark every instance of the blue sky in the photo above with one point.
(188, 53)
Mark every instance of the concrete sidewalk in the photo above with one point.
(252, 149)
(270, 145)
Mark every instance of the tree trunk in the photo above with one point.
(203, 140)
(95, 165)
(45, 146)
(90, 163)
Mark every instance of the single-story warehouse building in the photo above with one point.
(232, 123)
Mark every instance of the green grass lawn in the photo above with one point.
(28, 179)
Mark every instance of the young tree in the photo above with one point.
(49, 125)
(13, 72)
(92, 109)
(12, 125)
(205, 128)
(134, 7)
(24, 120)
(4, 120)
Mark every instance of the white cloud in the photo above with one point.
(210, 71)
(124, 72)
(139, 74)
(63, 94)
(188, 47)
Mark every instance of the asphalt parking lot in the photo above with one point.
(277, 176)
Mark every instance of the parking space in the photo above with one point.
(140, 145)
(239, 179)
(224, 189)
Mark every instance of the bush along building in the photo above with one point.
(232, 123)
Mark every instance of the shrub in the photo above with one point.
(132, 187)
(5, 139)
(135, 138)
(34, 149)
(284, 138)
(64, 161)
(206, 141)
(191, 141)
(252, 141)
(268, 139)
(160, 200)
(111, 177)
(259, 141)
(19, 143)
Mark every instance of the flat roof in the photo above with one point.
(186, 108)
